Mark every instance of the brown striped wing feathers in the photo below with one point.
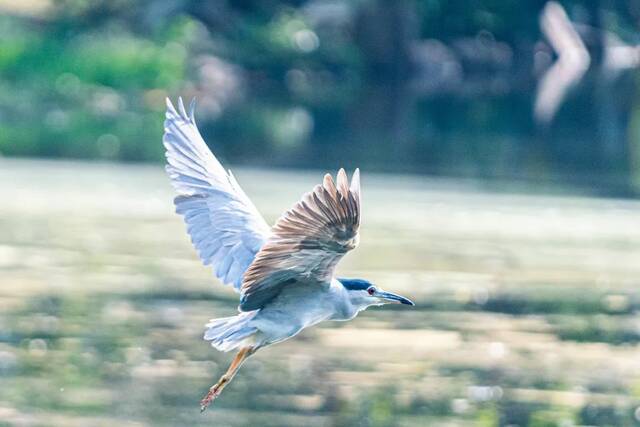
(307, 241)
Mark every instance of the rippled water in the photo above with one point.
(527, 308)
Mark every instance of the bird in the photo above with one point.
(285, 274)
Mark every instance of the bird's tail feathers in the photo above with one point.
(229, 333)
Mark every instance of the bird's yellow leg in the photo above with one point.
(217, 388)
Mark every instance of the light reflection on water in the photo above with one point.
(526, 308)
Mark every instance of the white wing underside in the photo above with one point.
(225, 227)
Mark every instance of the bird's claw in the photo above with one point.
(209, 397)
(204, 403)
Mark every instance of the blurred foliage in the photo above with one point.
(429, 86)
(88, 93)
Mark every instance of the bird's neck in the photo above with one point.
(345, 308)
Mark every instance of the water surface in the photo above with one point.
(527, 308)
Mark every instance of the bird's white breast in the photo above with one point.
(300, 306)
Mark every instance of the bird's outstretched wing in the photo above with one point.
(306, 242)
(225, 227)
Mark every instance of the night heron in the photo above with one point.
(284, 274)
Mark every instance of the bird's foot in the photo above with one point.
(213, 393)
(217, 388)
(206, 401)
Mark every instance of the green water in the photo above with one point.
(527, 308)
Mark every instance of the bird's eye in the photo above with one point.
(371, 290)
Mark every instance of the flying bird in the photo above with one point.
(285, 273)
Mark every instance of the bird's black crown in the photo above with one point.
(355, 284)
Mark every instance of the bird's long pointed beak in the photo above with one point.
(394, 298)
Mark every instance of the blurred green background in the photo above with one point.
(515, 231)
(430, 87)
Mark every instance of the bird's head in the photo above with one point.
(363, 294)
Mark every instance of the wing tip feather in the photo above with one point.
(355, 182)
(171, 110)
(183, 112)
(342, 183)
(327, 183)
(180, 112)
(192, 110)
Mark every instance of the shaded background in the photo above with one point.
(505, 135)
(430, 87)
